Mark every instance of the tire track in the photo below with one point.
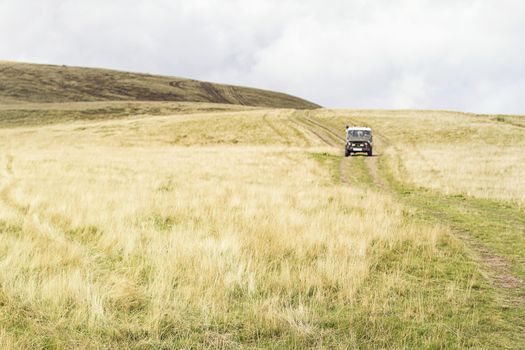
(298, 128)
(7, 188)
(33, 219)
(330, 137)
(275, 129)
(41, 227)
(238, 96)
(497, 266)
(325, 134)
(372, 163)
(213, 93)
(336, 140)
(46, 235)
(314, 131)
(23, 211)
(179, 84)
(335, 135)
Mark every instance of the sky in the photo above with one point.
(466, 55)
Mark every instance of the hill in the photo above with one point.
(36, 83)
(179, 225)
(171, 224)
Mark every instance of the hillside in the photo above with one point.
(35, 83)
(133, 224)
(127, 226)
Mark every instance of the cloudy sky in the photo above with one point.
(442, 54)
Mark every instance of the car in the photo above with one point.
(358, 140)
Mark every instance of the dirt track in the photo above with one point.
(335, 138)
(496, 265)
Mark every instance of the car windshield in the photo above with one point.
(361, 134)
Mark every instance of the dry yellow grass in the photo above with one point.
(142, 224)
(214, 229)
(453, 153)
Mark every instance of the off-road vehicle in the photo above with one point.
(358, 139)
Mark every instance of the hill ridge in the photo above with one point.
(42, 83)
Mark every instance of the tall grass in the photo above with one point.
(232, 238)
(453, 153)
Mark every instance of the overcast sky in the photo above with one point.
(443, 54)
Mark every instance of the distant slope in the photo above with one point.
(35, 83)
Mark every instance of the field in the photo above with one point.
(196, 225)
(139, 211)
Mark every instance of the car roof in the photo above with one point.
(359, 128)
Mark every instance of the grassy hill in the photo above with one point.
(200, 225)
(21, 82)
(246, 228)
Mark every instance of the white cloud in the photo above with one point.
(465, 54)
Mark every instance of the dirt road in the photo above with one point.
(497, 267)
(334, 137)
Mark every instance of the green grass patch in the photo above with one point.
(494, 231)
(424, 296)
(357, 171)
(427, 299)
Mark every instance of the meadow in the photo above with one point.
(179, 225)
